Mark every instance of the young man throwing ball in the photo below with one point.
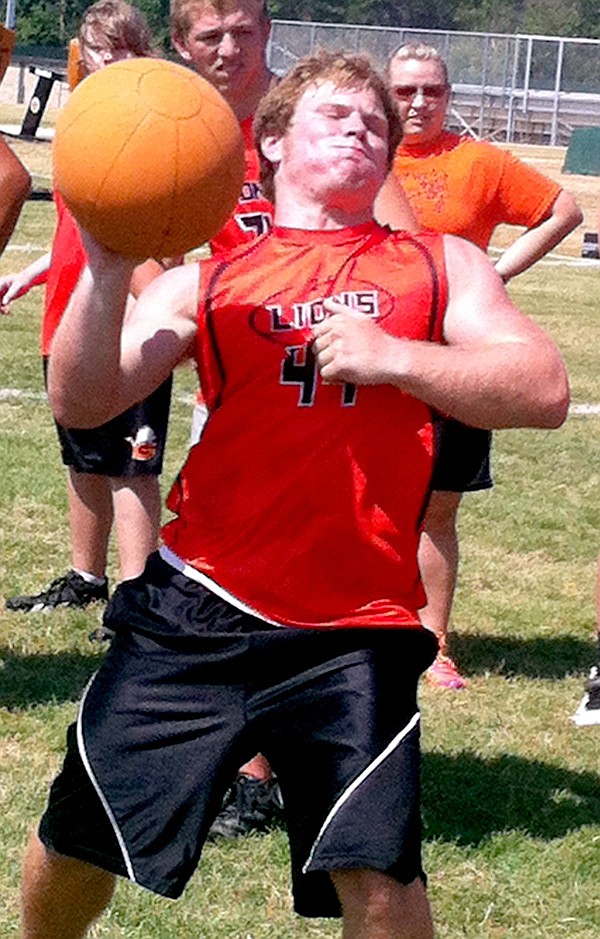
(282, 610)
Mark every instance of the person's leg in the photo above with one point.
(375, 906)
(61, 896)
(140, 434)
(438, 562)
(90, 520)
(137, 511)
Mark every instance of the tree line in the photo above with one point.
(54, 22)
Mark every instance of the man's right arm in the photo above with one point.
(100, 366)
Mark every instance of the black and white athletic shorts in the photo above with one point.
(131, 444)
(190, 689)
(462, 461)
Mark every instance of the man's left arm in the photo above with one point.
(497, 368)
(536, 242)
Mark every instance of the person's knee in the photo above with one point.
(382, 904)
(442, 511)
(136, 484)
(45, 862)
(61, 896)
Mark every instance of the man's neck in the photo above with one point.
(245, 106)
(311, 217)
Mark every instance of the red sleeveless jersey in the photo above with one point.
(253, 214)
(66, 264)
(304, 500)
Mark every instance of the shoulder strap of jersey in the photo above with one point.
(208, 356)
(430, 245)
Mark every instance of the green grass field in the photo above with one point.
(511, 797)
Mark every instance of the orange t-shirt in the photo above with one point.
(304, 500)
(467, 187)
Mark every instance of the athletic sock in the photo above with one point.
(90, 578)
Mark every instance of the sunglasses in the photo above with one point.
(429, 92)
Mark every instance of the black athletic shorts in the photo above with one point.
(462, 461)
(190, 689)
(131, 444)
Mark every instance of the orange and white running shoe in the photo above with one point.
(443, 673)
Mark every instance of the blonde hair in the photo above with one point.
(118, 25)
(421, 53)
(276, 110)
(182, 12)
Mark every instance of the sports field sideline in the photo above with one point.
(511, 789)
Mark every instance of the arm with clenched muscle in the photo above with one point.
(496, 369)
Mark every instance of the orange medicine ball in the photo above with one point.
(148, 157)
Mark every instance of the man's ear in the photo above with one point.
(271, 148)
(180, 47)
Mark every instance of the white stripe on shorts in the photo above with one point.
(194, 574)
(358, 781)
(96, 785)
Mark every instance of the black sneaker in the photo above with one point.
(250, 805)
(588, 712)
(69, 590)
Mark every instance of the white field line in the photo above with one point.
(579, 409)
(26, 248)
(565, 260)
(201, 252)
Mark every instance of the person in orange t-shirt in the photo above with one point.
(463, 187)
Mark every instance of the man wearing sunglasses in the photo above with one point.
(463, 187)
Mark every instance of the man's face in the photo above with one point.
(227, 49)
(422, 96)
(337, 143)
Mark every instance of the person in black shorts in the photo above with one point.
(463, 187)
(281, 613)
(113, 470)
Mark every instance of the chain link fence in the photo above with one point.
(529, 89)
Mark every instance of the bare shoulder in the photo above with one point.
(462, 256)
(479, 308)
